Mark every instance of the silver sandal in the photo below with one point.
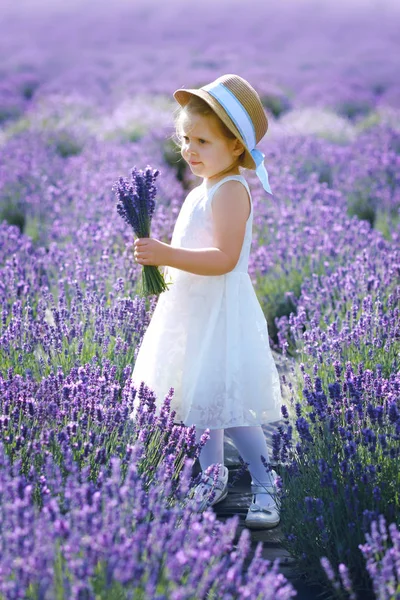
(259, 517)
(200, 500)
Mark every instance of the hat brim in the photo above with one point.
(182, 96)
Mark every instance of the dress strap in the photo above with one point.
(214, 187)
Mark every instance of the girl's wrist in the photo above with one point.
(169, 255)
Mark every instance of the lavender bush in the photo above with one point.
(343, 457)
(351, 313)
(110, 516)
(342, 464)
(382, 554)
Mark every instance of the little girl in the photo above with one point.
(208, 337)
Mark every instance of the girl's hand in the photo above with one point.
(149, 251)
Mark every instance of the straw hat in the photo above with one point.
(248, 98)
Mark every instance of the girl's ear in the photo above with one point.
(238, 147)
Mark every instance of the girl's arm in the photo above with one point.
(230, 208)
(200, 261)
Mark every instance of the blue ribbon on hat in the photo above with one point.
(239, 115)
(261, 171)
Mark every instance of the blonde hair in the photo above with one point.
(198, 106)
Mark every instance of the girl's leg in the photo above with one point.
(213, 451)
(251, 445)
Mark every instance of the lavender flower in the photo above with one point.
(382, 553)
(136, 205)
(343, 582)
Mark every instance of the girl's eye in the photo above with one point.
(186, 139)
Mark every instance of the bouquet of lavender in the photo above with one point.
(136, 204)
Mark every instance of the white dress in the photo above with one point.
(208, 337)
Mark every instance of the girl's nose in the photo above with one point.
(190, 151)
(189, 146)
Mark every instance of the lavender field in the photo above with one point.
(92, 505)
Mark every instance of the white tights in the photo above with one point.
(250, 443)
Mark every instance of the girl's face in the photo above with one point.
(204, 147)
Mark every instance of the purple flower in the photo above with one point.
(135, 199)
(303, 428)
(136, 205)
